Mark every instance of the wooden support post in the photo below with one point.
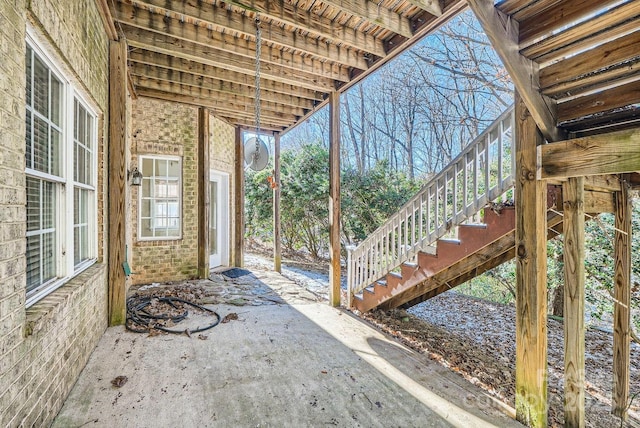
(203, 193)
(277, 245)
(334, 198)
(117, 181)
(238, 204)
(531, 274)
(622, 295)
(574, 298)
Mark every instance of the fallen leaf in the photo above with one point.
(119, 381)
(229, 317)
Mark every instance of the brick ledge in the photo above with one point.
(45, 309)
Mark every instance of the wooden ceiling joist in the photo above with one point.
(209, 16)
(139, 57)
(250, 124)
(599, 61)
(617, 97)
(221, 87)
(226, 110)
(555, 16)
(196, 50)
(370, 12)
(574, 62)
(200, 41)
(231, 62)
(287, 14)
(617, 22)
(242, 101)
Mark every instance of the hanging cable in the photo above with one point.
(256, 154)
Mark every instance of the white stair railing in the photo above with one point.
(481, 173)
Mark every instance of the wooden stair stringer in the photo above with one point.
(426, 283)
(487, 258)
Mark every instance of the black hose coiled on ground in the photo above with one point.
(139, 320)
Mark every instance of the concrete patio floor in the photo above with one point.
(289, 360)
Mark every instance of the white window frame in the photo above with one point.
(92, 209)
(153, 158)
(65, 267)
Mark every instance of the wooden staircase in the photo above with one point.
(392, 266)
(479, 247)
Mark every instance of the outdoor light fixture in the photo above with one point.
(135, 176)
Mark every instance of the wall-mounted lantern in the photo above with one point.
(135, 176)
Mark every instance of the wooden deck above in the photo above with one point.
(580, 59)
(204, 52)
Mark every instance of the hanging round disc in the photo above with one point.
(256, 155)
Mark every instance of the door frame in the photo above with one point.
(222, 178)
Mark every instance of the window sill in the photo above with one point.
(44, 311)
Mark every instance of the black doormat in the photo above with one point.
(235, 273)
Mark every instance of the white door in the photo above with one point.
(218, 219)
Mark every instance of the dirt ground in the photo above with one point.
(476, 339)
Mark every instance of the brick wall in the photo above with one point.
(221, 145)
(43, 348)
(165, 128)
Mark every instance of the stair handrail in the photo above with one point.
(424, 218)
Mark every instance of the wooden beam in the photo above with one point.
(598, 202)
(574, 299)
(621, 307)
(321, 78)
(531, 274)
(208, 15)
(434, 7)
(334, 199)
(594, 202)
(141, 57)
(277, 244)
(238, 201)
(107, 19)
(603, 183)
(117, 181)
(612, 153)
(203, 193)
(288, 14)
(375, 14)
(221, 100)
(503, 32)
